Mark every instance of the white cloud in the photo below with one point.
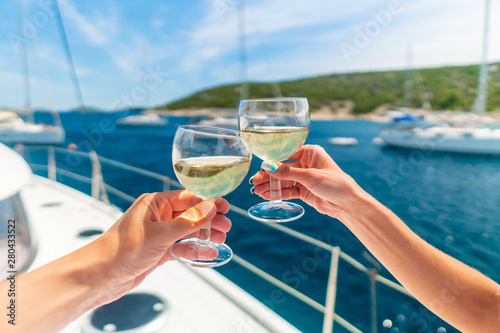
(99, 29)
(124, 46)
(157, 23)
(440, 33)
(124, 62)
(210, 52)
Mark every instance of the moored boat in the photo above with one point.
(142, 120)
(14, 130)
(474, 138)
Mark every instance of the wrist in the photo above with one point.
(358, 203)
(67, 289)
(87, 270)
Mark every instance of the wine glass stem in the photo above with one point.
(275, 191)
(204, 234)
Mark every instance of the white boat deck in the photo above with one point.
(198, 300)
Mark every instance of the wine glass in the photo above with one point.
(278, 127)
(210, 162)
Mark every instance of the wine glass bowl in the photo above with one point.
(210, 162)
(278, 127)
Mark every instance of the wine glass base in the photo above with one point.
(276, 213)
(194, 253)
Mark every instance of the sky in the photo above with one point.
(130, 53)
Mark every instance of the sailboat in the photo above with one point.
(13, 129)
(449, 138)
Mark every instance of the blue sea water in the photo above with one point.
(450, 200)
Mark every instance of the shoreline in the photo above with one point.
(377, 115)
(233, 113)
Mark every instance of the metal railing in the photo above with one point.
(99, 191)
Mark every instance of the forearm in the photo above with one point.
(457, 293)
(49, 298)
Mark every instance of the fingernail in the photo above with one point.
(205, 207)
(250, 180)
(269, 166)
(252, 190)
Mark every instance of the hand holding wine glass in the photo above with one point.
(278, 127)
(209, 162)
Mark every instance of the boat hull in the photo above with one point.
(457, 142)
(143, 120)
(139, 124)
(34, 136)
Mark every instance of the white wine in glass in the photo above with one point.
(276, 143)
(210, 162)
(211, 177)
(278, 127)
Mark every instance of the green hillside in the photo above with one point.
(449, 88)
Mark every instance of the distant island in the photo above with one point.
(357, 94)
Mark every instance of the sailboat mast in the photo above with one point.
(49, 91)
(408, 78)
(482, 88)
(426, 102)
(69, 58)
(145, 65)
(26, 70)
(79, 97)
(243, 50)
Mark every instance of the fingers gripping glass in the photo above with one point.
(209, 162)
(278, 127)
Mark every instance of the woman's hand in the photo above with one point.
(315, 178)
(113, 264)
(457, 293)
(140, 240)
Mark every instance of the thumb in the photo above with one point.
(191, 220)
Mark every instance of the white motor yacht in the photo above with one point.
(343, 141)
(445, 138)
(142, 120)
(219, 121)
